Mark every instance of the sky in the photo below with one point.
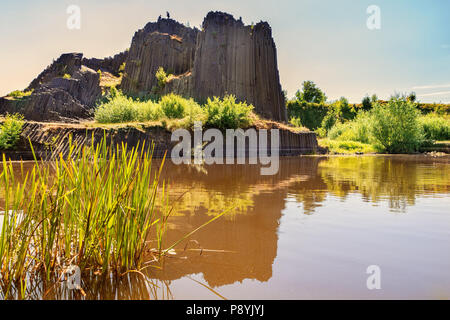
(326, 41)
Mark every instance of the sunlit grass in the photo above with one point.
(99, 210)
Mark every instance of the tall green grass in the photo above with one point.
(96, 210)
(435, 127)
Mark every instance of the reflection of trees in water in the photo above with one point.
(396, 180)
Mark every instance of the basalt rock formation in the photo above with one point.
(240, 60)
(165, 43)
(226, 57)
(56, 98)
(66, 90)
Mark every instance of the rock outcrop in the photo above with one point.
(59, 99)
(240, 60)
(67, 63)
(165, 43)
(226, 57)
(109, 64)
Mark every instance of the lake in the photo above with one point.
(308, 232)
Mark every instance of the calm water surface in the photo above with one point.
(309, 232)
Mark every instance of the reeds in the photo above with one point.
(95, 210)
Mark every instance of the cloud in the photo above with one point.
(434, 94)
(432, 86)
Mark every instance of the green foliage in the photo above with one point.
(162, 78)
(311, 114)
(395, 126)
(311, 93)
(435, 127)
(296, 122)
(118, 108)
(226, 113)
(354, 130)
(17, 94)
(346, 147)
(102, 210)
(343, 110)
(122, 67)
(412, 97)
(10, 131)
(219, 113)
(366, 103)
(177, 107)
(329, 120)
(68, 76)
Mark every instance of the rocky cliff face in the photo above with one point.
(240, 60)
(226, 57)
(59, 99)
(166, 44)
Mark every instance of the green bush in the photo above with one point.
(311, 114)
(148, 111)
(395, 126)
(17, 94)
(353, 130)
(435, 127)
(10, 131)
(219, 113)
(118, 108)
(329, 120)
(226, 113)
(177, 107)
(296, 122)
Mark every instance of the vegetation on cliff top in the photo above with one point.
(218, 113)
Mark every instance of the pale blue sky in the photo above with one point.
(325, 41)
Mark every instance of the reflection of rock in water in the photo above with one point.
(251, 236)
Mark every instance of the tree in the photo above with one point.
(412, 97)
(366, 103)
(395, 126)
(374, 98)
(311, 93)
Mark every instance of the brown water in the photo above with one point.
(310, 231)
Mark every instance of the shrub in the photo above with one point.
(148, 111)
(296, 122)
(226, 113)
(162, 78)
(346, 147)
(311, 114)
(17, 94)
(329, 120)
(10, 131)
(119, 108)
(177, 107)
(395, 126)
(435, 127)
(354, 130)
